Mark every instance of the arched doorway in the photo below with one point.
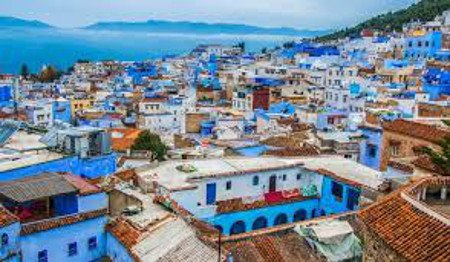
(237, 228)
(299, 215)
(280, 219)
(260, 222)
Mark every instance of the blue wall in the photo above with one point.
(56, 241)
(91, 168)
(65, 204)
(423, 46)
(61, 111)
(13, 232)
(329, 203)
(271, 212)
(92, 202)
(373, 139)
(116, 251)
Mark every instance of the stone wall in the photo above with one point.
(406, 146)
(374, 248)
(193, 121)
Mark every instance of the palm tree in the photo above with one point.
(441, 158)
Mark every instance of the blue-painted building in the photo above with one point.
(423, 46)
(5, 96)
(62, 111)
(371, 147)
(82, 151)
(334, 197)
(436, 82)
(61, 218)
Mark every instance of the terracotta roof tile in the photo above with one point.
(125, 232)
(234, 205)
(57, 222)
(124, 139)
(414, 234)
(7, 218)
(84, 187)
(417, 130)
(426, 163)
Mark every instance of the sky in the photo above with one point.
(301, 14)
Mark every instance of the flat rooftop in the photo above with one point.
(170, 174)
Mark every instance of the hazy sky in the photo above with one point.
(308, 14)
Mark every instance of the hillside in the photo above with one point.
(12, 22)
(158, 26)
(425, 10)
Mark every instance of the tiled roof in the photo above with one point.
(417, 130)
(6, 218)
(35, 187)
(125, 232)
(126, 175)
(298, 151)
(280, 246)
(126, 139)
(426, 163)
(410, 232)
(234, 205)
(57, 222)
(82, 185)
(401, 166)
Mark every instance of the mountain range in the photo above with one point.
(160, 26)
(7, 21)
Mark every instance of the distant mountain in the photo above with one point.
(158, 26)
(425, 10)
(6, 21)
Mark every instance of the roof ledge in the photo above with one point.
(422, 207)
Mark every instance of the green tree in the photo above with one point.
(441, 158)
(150, 142)
(49, 74)
(24, 71)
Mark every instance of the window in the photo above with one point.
(228, 185)
(92, 243)
(394, 150)
(427, 43)
(371, 150)
(419, 44)
(337, 190)
(73, 249)
(299, 176)
(255, 180)
(5, 239)
(348, 156)
(42, 256)
(284, 177)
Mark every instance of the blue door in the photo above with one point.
(211, 194)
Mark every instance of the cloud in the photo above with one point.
(311, 14)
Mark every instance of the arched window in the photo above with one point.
(299, 215)
(280, 219)
(220, 228)
(237, 228)
(5, 239)
(255, 180)
(260, 222)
